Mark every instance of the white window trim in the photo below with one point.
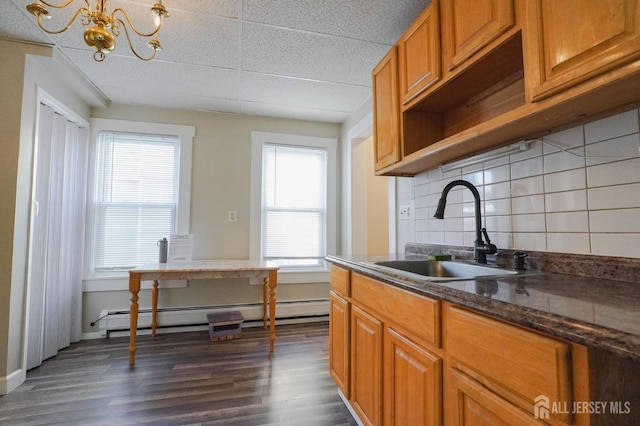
(258, 139)
(119, 280)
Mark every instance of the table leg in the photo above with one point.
(154, 308)
(265, 301)
(273, 283)
(134, 289)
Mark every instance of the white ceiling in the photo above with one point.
(302, 59)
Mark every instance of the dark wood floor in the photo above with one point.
(183, 379)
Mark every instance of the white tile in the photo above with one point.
(567, 160)
(625, 245)
(614, 173)
(454, 224)
(526, 168)
(469, 224)
(421, 213)
(565, 181)
(420, 190)
(497, 174)
(435, 237)
(566, 201)
(421, 202)
(622, 148)
(497, 190)
(475, 177)
(528, 204)
(496, 162)
(434, 174)
(503, 240)
(624, 220)
(614, 197)
(565, 139)
(467, 195)
(469, 238)
(454, 238)
(568, 243)
(452, 174)
(568, 222)
(435, 187)
(530, 241)
(421, 179)
(612, 127)
(433, 199)
(469, 209)
(497, 207)
(527, 186)
(436, 225)
(529, 222)
(421, 225)
(422, 237)
(498, 223)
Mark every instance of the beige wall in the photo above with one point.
(220, 182)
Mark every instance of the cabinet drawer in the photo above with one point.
(339, 278)
(416, 315)
(517, 364)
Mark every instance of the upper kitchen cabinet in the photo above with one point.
(509, 70)
(419, 54)
(386, 117)
(571, 41)
(468, 26)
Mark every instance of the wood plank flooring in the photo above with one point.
(184, 379)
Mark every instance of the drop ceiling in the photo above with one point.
(301, 59)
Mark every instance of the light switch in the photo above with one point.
(232, 216)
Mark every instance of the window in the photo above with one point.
(140, 192)
(293, 201)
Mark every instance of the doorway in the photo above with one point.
(369, 202)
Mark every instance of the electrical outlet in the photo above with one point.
(405, 212)
(232, 216)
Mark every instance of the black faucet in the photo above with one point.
(480, 249)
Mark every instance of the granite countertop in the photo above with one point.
(596, 312)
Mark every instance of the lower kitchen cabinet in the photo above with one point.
(412, 383)
(366, 366)
(339, 341)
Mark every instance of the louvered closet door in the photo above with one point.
(57, 234)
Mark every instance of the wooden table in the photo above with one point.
(200, 270)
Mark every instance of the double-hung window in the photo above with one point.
(140, 192)
(293, 202)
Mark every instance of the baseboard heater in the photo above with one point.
(115, 322)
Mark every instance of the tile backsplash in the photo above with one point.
(575, 191)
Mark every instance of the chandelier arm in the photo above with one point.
(73, 18)
(133, 27)
(133, 50)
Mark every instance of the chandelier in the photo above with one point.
(102, 26)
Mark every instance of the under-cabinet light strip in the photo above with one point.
(521, 146)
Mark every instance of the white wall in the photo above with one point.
(585, 199)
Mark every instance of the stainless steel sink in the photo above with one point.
(444, 270)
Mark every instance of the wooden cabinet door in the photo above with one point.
(339, 345)
(412, 383)
(470, 25)
(570, 41)
(470, 403)
(419, 54)
(366, 366)
(386, 111)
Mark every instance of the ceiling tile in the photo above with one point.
(381, 21)
(301, 93)
(255, 108)
(298, 54)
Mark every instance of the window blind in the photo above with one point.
(135, 199)
(294, 205)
